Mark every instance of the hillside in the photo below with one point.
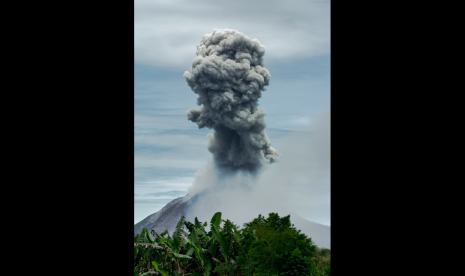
(169, 215)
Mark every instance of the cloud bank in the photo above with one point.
(166, 32)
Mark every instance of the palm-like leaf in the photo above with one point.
(216, 220)
(213, 247)
(161, 270)
(181, 256)
(179, 231)
(147, 245)
(197, 223)
(223, 242)
(142, 238)
(150, 272)
(168, 241)
(190, 251)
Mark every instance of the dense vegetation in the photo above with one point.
(265, 246)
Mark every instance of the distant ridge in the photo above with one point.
(168, 217)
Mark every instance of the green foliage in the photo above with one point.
(149, 273)
(159, 269)
(328, 269)
(179, 235)
(265, 246)
(324, 252)
(297, 264)
(322, 260)
(227, 269)
(274, 241)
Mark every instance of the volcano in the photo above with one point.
(169, 216)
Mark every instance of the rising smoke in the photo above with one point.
(229, 76)
(299, 185)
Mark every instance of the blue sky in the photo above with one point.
(169, 149)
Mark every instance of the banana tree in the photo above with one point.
(194, 253)
(219, 236)
(145, 251)
(171, 251)
(203, 245)
(206, 244)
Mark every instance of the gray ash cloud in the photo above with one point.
(229, 76)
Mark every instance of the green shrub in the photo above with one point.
(275, 240)
(328, 269)
(296, 264)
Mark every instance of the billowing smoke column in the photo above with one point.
(229, 77)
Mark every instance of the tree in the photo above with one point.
(277, 246)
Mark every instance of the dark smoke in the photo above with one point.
(229, 77)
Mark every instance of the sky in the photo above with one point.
(169, 149)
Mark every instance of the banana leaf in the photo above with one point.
(190, 251)
(181, 256)
(177, 244)
(149, 272)
(208, 267)
(216, 220)
(197, 223)
(147, 245)
(168, 241)
(161, 270)
(142, 238)
(223, 242)
(149, 237)
(213, 247)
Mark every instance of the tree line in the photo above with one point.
(269, 246)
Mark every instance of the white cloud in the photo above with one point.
(166, 32)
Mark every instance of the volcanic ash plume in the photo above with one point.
(229, 77)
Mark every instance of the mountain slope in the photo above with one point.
(168, 217)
